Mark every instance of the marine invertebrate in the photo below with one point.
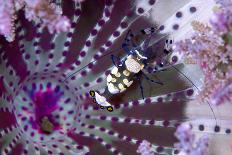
(131, 67)
(210, 46)
(47, 115)
(188, 143)
(145, 148)
(46, 12)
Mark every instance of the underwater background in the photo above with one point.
(34, 66)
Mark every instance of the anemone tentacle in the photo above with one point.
(92, 37)
(53, 113)
(101, 141)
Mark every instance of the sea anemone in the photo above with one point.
(46, 109)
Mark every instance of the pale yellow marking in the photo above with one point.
(109, 78)
(126, 72)
(125, 81)
(118, 74)
(121, 87)
(142, 66)
(122, 90)
(130, 83)
(113, 80)
(112, 89)
(111, 85)
(114, 70)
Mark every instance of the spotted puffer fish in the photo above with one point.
(42, 114)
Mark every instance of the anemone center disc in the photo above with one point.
(46, 109)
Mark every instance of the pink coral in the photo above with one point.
(225, 4)
(222, 21)
(48, 14)
(6, 19)
(188, 143)
(211, 47)
(224, 90)
(145, 148)
(43, 11)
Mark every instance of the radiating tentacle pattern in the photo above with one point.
(46, 109)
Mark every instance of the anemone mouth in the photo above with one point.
(45, 108)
